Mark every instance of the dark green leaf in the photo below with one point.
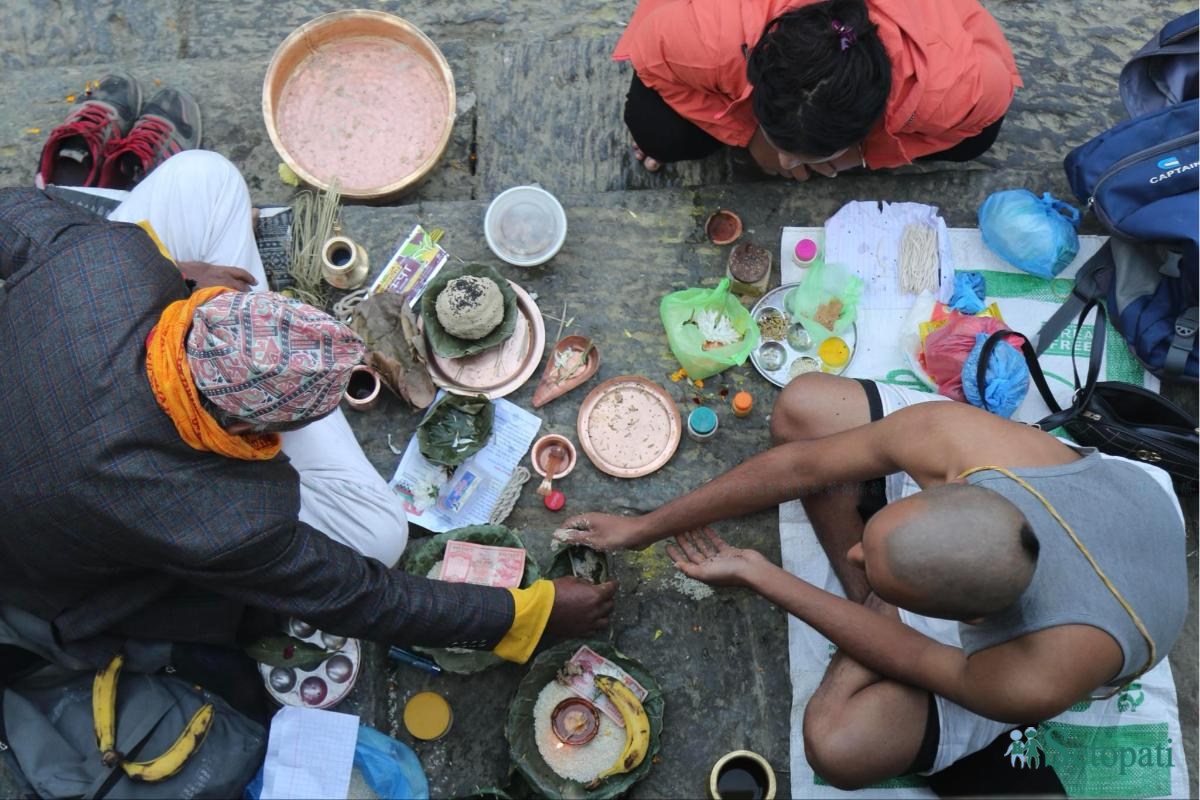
(273, 651)
(455, 429)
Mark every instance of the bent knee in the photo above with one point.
(208, 162)
(815, 405)
(386, 537)
(833, 754)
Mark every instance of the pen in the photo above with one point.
(413, 660)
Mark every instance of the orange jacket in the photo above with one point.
(952, 72)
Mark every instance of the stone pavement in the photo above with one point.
(539, 101)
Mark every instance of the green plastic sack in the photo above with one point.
(678, 311)
(823, 283)
(420, 560)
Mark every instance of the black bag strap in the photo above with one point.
(1091, 282)
(1083, 392)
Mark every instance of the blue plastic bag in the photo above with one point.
(1030, 232)
(969, 292)
(1005, 383)
(390, 767)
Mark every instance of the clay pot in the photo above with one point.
(553, 384)
(362, 392)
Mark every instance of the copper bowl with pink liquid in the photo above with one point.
(361, 99)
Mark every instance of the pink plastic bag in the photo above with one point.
(948, 347)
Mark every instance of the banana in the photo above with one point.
(170, 762)
(104, 710)
(637, 725)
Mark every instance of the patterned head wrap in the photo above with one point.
(263, 358)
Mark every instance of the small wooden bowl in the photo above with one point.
(537, 454)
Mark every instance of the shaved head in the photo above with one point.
(960, 552)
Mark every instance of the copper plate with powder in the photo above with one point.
(503, 369)
(629, 426)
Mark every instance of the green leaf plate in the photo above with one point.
(455, 428)
(522, 745)
(446, 344)
(430, 551)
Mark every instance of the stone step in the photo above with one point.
(65, 32)
(544, 109)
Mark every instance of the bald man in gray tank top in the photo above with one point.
(1065, 569)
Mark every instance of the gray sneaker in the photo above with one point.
(169, 124)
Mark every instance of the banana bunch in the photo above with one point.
(104, 720)
(637, 725)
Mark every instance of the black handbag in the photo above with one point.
(1116, 418)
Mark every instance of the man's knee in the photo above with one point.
(812, 406)
(200, 162)
(385, 537)
(831, 751)
(192, 167)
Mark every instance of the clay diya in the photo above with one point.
(723, 227)
(573, 361)
(575, 721)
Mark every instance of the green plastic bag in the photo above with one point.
(679, 315)
(823, 284)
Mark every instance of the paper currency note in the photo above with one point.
(579, 674)
(483, 565)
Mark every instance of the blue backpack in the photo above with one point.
(1141, 180)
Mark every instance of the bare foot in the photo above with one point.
(651, 165)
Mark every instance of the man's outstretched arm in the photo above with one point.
(1031, 678)
(786, 472)
(296, 570)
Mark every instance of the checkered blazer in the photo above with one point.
(108, 520)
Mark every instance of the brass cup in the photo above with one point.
(344, 263)
(749, 756)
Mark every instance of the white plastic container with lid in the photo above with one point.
(525, 226)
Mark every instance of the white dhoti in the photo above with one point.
(199, 205)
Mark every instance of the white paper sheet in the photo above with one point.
(864, 236)
(310, 754)
(472, 492)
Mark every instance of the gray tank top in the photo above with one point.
(1134, 531)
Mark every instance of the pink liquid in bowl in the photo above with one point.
(364, 112)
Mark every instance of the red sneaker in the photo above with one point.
(170, 123)
(74, 153)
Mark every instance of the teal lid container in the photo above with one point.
(702, 423)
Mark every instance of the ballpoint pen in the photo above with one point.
(413, 660)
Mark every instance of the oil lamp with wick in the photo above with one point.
(575, 721)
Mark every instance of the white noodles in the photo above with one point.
(918, 259)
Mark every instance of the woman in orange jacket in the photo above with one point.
(816, 86)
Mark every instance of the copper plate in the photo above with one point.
(502, 370)
(629, 426)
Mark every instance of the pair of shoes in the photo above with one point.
(110, 140)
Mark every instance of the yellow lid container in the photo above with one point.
(428, 716)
